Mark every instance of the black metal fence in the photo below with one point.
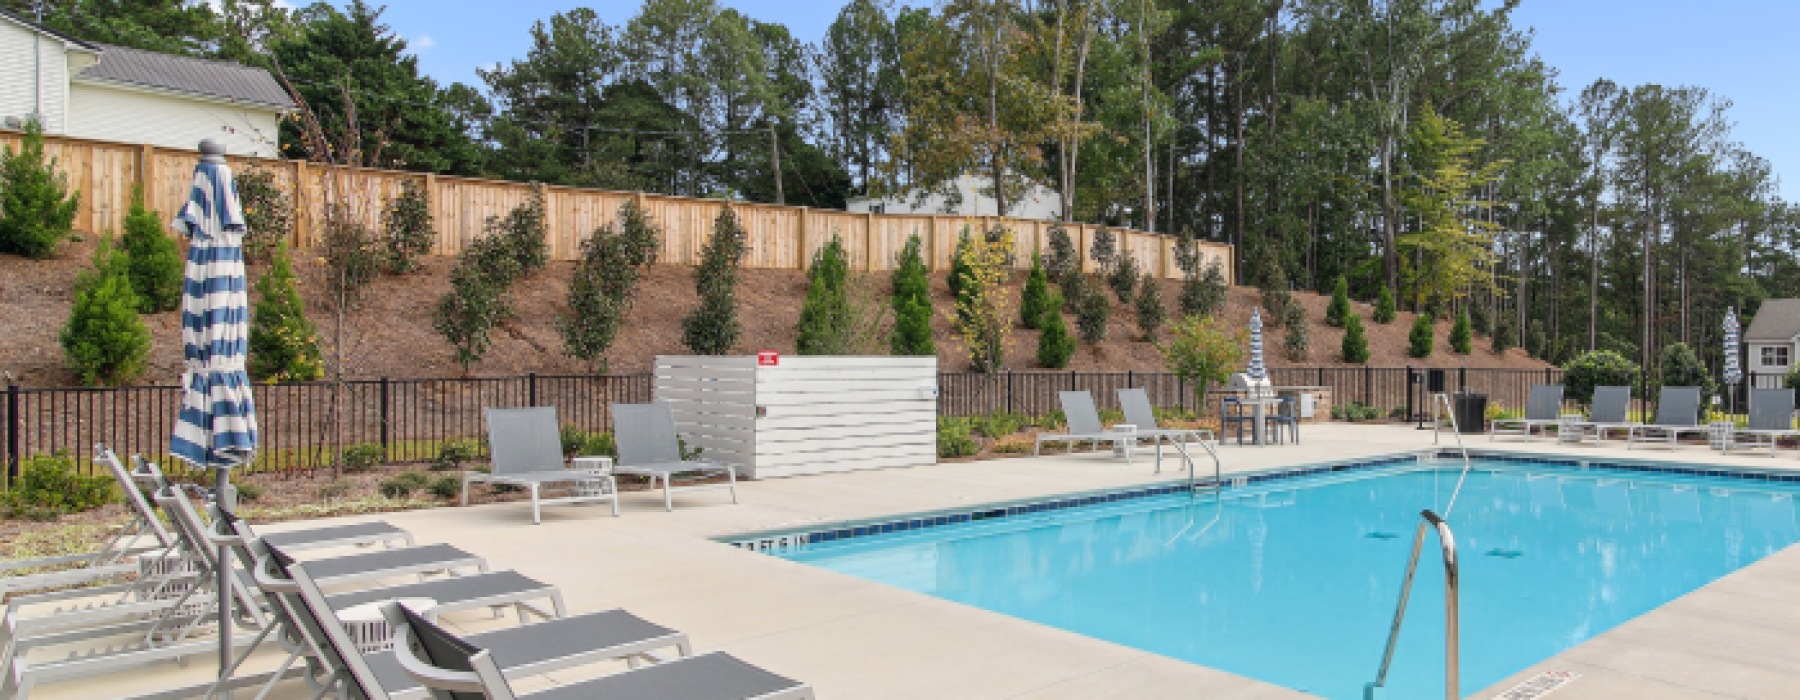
(409, 419)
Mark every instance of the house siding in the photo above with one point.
(1754, 362)
(22, 98)
(111, 113)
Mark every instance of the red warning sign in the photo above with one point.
(768, 358)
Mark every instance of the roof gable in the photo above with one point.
(72, 42)
(1776, 320)
(222, 80)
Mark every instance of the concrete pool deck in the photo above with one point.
(850, 638)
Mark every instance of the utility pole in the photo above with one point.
(775, 158)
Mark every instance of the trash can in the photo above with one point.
(1471, 412)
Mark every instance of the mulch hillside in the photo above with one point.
(389, 331)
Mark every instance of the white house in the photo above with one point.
(1773, 339)
(112, 93)
(1039, 202)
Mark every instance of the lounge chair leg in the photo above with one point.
(465, 493)
(732, 473)
(535, 519)
(613, 487)
(668, 500)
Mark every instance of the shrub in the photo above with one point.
(1792, 380)
(1420, 339)
(1537, 342)
(37, 210)
(1480, 319)
(336, 489)
(959, 272)
(998, 424)
(351, 250)
(1296, 342)
(268, 213)
(453, 455)
(1597, 368)
(1055, 346)
(523, 231)
(605, 284)
(1677, 365)
(50, 486)
(1204, 294)
(1355, 347)
(573, 438)
(1461, 335)
(1091, 312)
(1504, 337)
(981, 314)
(1123, 277)
(1036, 298)
(1202, 352)
(953, 437)
(1384, 306)
(404, 484)
(1149, 307)
(1276, 295)
(474, 306)
(1104, 249)
(1354, 411)
(406, 230)
(1187, 254)
(448, 487)
(599, 444)
(1061, 261)
(912, 304)
(284, 346)
(362, 457)
(1340, 303)
(104, 341)
(824, 326)
(713, 327)
(154, 258)
(247, 491)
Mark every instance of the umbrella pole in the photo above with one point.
(224, 499)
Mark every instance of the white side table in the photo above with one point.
(1721, 434)
(1569, 430)
(595, 465)
(1127, 442)
(369, 629)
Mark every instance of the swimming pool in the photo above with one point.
(1293, 580)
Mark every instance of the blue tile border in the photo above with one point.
(1636, 466)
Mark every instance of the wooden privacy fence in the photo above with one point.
(781, 237)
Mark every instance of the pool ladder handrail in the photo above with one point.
(1438, 400)
(1452, 627)
(1218, 479)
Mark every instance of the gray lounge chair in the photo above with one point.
(373, 532)
(648, 446)
(1771, 418)
(1138, 412)
(1084, 426)
(1542, 410)
(539, 648)
(113, 561)
(1677, 413)
(1606, 414)
(453, 666)
(526, 449)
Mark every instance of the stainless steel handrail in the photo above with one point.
(1218, 480)
(1455, 431)
(1452, 628)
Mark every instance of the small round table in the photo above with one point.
(369, 629)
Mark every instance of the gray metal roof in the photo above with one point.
(1776, 320)
(223, 80)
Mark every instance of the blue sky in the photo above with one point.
(1742, 50)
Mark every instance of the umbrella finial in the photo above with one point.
(211, 151)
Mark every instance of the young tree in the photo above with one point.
(1149, 307)
(154, 257)
(1296, 342)
(1055, 345)
(1339, 308)
(105, 341)
(824, 326)
(981, 314)
(1679, 366)
(1202, 352)
(1204, 294)
(1504, 336)
(476, 303)
(37, 210)
(1123, 277)
(407, 232)
(605, 283)
(1384, 306)
(1092, 309)
(284, 345)
(712, 329)
(1596, 369)
(1276, 296)
(1036, 297)
(1060, 261)
(1461, 336)
(958, 278)
(912, 304)
(1355, 347)
(1420, 339)
(268, 213)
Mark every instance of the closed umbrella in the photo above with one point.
(217, 425)
(1733, 372)
(1256, 371)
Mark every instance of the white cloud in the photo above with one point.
(423, 43)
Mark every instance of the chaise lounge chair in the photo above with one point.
(1607, 414)
(114, 560)
(648, 446)
(452, 666)
(1677, 413)
(1138, 412)
(1771, 418)
(1084, 425)
(1542, 410)
(526, 449)
(373, 532)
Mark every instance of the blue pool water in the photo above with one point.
(1294, 582)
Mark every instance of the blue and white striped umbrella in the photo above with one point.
(1257, 371)
(217, 425)
(1733, 372)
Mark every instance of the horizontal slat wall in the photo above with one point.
(780, 237)
(713, 400)
(833, 414)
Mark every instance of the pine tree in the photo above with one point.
(1149, 307)
(1504, 337)
(1461, 337)
(959, 270)
(1036, 297)
(105, 341)
(824, 326)
(1055, 346)
(284, 345)
(155, 258)
(1296, 340)
(1355, 348)
(912, 304)
(1384, 306)
(1340, 304)
(37, 210)
(1420, 339)
(713, 327)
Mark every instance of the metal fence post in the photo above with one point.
(1411, 388)
(13, 428)
(1009, 391)
(1368, 385)
(1462, 380)
(386, 412)
(531, 389)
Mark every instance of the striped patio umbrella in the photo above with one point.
(216, 428)
(1734, 372)
(1256, 371)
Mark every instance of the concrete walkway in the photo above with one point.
(851, 638)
